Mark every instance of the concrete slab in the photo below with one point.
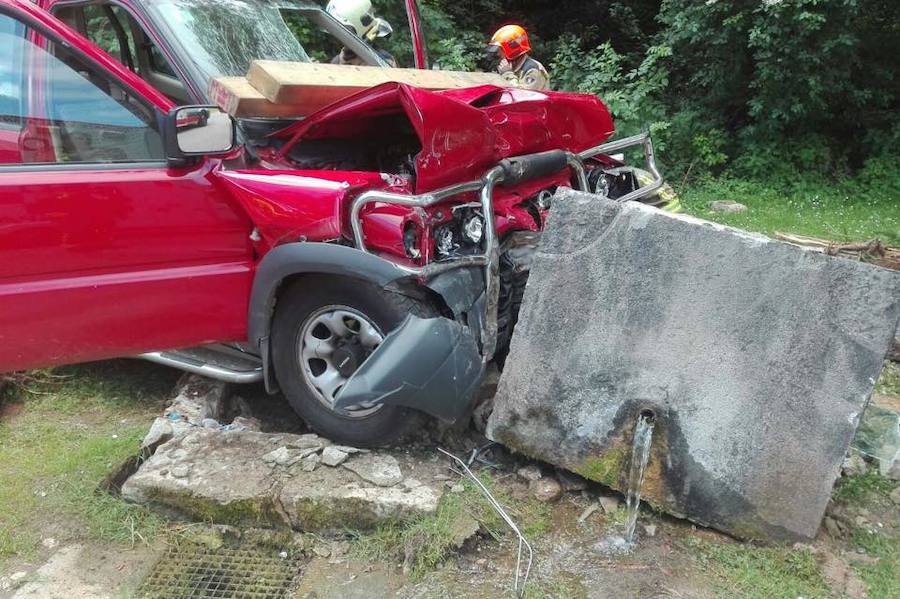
(757, 356)
(240, 478)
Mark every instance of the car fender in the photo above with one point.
(292, 259)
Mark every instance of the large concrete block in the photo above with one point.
(758, 358)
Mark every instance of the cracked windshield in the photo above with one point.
(224, 36)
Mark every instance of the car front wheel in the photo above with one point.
(324, 329)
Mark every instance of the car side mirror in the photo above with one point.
(198, 131)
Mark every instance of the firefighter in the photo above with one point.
(358, 17)
(516, 66)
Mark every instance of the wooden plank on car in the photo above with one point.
(317, 85)
(238, 98)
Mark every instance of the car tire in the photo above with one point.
(327, 298)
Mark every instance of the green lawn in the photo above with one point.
(59, 438)
(819, 210)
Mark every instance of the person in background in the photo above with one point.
(358, 17)
(511, 44)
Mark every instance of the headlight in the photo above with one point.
(411, 242)
(443, 241)
(473, 228)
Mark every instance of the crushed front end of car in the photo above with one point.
(453, 189)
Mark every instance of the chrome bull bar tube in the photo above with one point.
(642, 139)
(490, 259)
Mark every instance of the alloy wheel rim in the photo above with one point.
(336, 332)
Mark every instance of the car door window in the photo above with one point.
(67, 110)
(116, 30)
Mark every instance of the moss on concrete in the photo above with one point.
(606, 468)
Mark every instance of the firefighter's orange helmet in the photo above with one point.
(512, 40)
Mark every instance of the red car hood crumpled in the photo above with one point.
(463, 132)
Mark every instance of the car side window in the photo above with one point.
(66, 110)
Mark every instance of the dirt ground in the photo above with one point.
(56, 549)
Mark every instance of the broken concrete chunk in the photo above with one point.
(310, 462)
(350, 450)
(331, 456)
(282, 457)
(307, 441)
(160, 432)
(757, 358)
(379, 469)
(198, 398)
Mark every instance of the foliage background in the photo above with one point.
(787, 93)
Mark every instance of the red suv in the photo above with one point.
(368, 260)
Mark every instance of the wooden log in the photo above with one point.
(238, 98)
(873, 251)
(311, 86)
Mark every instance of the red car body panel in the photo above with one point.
(100, 262)
(113, 260)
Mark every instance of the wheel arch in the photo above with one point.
(289, 261)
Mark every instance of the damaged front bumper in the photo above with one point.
(436, 365)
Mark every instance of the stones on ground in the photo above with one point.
(727, 207)
(650, 530)
(853, 465)
(545, 489)
(833, 527)
(332, 456)
(895, 496)
(757, 398)
(282, 457)
(379, 469)
(230, 483)
(609, 503)
(531, 472)
(588, 512)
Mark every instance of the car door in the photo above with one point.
(105, 249)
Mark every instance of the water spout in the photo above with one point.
(640, 454)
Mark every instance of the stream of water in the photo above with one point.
(640, 454)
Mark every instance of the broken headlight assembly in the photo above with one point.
(612, 183)
(462, 234)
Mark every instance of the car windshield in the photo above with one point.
(224, 36)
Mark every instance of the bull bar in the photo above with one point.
(512, 170)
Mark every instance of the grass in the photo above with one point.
(752, 572)
(63, 438)
(889, 383)
(881, 579)
(861, 486)
(819, 210)
(425, 542)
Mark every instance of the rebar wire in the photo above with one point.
(520, 579)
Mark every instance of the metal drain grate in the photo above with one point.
(194, 572)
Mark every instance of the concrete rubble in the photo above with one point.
(756, 357)
(198, 466)
(237, 478)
